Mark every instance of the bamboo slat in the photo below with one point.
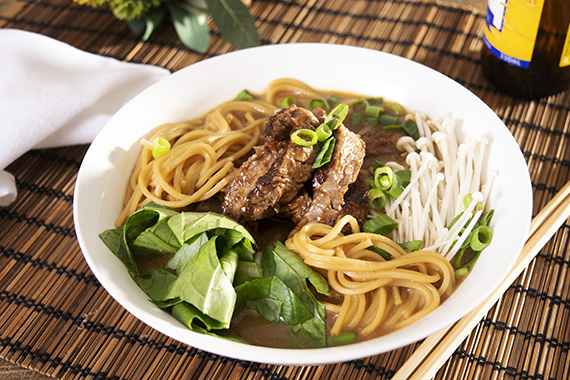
(56, 318)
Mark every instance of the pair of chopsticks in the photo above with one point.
(430, 356)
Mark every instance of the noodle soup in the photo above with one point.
(321, 218)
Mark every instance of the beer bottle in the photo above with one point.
(527, 46)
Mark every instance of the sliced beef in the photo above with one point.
(298, 207)
(357, 201)
(275, 173)
(331, 182)
(381, 147)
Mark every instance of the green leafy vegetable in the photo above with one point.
(278, 261)
(213, 271)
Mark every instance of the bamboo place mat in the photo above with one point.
(55, 317)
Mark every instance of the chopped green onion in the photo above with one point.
(467, 201)
(461, 272)
(458, 258)
(412, 245)
(285, 103)
(375, 100)
(377, 199)
(360, 105)
(381, 224)
(356, 118)
(396, 189)
(373, 111)
(392, 127)
(480, 238)
(383, 178)
(334, 99)
(318, 103)
(344, 338)
(454, 220)
(336, 116)
(369, 183)
(395, 108)
(245, 95)
(387, 120)
(304, 137)
(485, 219)
(325, 155)
(323, 132)
(372, 120)
(404, 177)
(385, 255)
(411, 129)
(160, 146)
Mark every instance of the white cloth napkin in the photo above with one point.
(53, 94)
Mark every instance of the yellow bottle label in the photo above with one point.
(512, 26)
(565, 57)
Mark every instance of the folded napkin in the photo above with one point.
(52, 94)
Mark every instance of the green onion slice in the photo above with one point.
(457, 262)
(480, 238)
(378, 99)
(325, 155)
(373, 111)
(467, 201)
(160, 147)
(396, 189)
(412, 245)
(323, 132)
(381, 224)
(304, 137)
(411, 129)
(318, 103)
(485, 219)
(344, 338)
(336, 116)
(395, 108)
(360, 105)
(357, 118)
(377, 199)
(383, 178)
(285, 103)
(404, 177)
(387, 119)
(245, 95)
(461, 272)
(385, 255)
(333, 99)
(392, 127)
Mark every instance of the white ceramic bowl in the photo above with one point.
(192, 91)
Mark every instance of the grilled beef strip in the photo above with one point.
(331, 182)
(275, 173)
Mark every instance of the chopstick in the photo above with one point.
(430, 356)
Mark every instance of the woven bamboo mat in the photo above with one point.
(55, 318)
